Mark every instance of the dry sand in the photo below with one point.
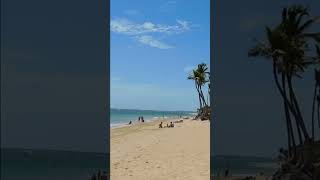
(146, 152)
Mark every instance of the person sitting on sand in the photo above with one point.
(171, 124)
(160, 125)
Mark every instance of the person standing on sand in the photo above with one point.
(99, 174)
(226, 173)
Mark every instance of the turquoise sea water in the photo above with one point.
(121, 117)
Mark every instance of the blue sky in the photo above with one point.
(154, 45)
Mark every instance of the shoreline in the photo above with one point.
(135, 122)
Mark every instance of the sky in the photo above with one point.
(248, 112)
(154, 46)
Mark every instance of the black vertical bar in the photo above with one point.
(107, 79)
(211, 86)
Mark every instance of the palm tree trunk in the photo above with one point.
(318, 114)
(290, 105)
(199, 96)
(296, 105)
(202, 97)
(292, 138)
(297, 124)
(287, 114)
(281, 90)
(313, 106)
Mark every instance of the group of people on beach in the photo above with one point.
(140, 119)
(168, 126)
(99, 176)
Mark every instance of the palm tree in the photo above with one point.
(200, 77)
(195, 77)
(316, 93)
(209, 88)
(286, 46)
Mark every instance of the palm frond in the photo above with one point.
(306, 25)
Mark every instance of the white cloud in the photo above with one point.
(141, 32)
(184, 24)
(124, 26)
(148, 25)
(150, 41)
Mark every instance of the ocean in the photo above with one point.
(121, 117)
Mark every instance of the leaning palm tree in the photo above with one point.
(209, 89)
(200, 77)
(195, 77)
(286, 46)
(203, 72)
(316, 93)
(315, 98)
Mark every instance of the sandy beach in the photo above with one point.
(144, 151)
